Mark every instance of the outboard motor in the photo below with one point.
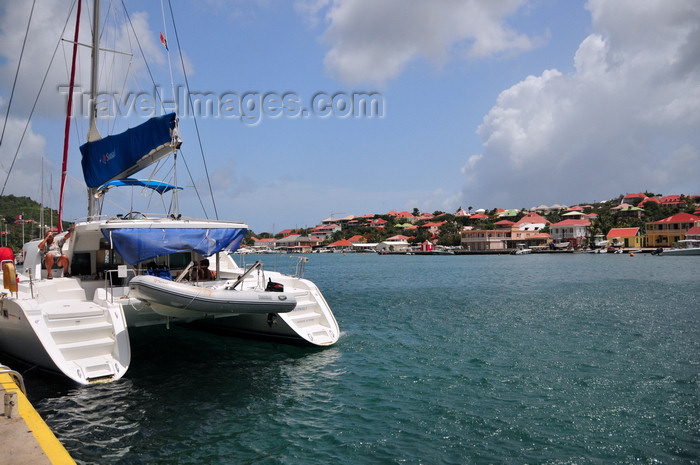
(274, 287)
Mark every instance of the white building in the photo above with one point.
(393, 246)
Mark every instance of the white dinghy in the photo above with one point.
(171, 298)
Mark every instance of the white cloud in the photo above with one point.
(374, 41)
(25, 163)
(625, 120)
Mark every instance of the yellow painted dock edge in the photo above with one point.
(48, 442)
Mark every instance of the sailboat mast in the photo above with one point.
(93, 133)
(69, 112)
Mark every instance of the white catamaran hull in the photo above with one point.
(51, 325)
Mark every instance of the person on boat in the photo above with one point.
(52, 251)
(203, 271)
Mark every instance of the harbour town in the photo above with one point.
(638, 222)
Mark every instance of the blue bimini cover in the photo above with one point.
(122, 154)
(138, 244)
(158, 186)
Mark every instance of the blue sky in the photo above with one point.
(508, 104)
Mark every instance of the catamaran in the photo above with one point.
(134, 270)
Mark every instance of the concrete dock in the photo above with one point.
(24, 437)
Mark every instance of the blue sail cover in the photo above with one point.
(158, 186)
(138, 244)
(119, 155)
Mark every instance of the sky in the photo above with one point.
(474, 103)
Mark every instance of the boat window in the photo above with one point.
(180, 259)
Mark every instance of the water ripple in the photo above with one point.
(443, 360)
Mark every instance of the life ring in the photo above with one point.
(9, 276)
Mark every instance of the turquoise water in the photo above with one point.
(443, 360)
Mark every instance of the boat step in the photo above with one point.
(302, 317)
(73, 312)
(96, 367)
(318, 334)
(89, 344)
(81, 327)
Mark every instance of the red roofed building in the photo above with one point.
(324, 230)
(527, 228)
(485, 239)
(433, 227)
(407, 216)
(479, 216)
(649, 200)
(342, 244)
(665, 232)
(287, 232)
(531, 222)
(634, 198)
(378, 223)
(627, 237)
(267, 243)
(572, 231)
(671, 200)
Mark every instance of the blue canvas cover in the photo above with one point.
(138, 244)
(117, 156)
(158, 186)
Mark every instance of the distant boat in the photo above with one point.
(684, 247)
(521, 249)
(599, 241)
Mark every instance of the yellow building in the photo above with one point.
(665, 232)
(627, 237)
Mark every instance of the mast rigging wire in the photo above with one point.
(19, 63)
(36, 100)
(194, 116)
(159, 97)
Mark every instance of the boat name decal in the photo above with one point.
(106, 157)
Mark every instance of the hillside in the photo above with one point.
(19, 220)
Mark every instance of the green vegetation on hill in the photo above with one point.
(12, 207)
